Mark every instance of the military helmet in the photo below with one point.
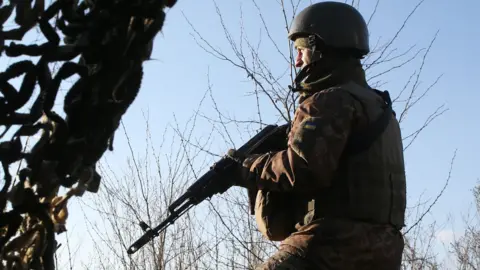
(338, 25)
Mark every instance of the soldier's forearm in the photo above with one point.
(281, 171)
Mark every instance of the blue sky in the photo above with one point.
(175, 81)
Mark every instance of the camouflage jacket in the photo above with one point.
(304, 169)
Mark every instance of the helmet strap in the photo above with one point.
(312, 42)
(317, 48)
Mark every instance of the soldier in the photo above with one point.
(336, 195)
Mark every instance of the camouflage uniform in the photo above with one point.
(359, 198)
(339, 244)
(325, 243)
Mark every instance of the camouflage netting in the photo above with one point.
(112, 39)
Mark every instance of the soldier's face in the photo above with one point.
(303, 57)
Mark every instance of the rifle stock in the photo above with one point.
(215, 181)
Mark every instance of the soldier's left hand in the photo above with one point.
(242, 177)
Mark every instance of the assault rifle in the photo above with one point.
(216, 180)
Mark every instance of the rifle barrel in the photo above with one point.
(152, 233)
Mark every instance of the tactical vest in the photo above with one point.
(370, 183)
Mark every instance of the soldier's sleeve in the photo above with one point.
(320, 132)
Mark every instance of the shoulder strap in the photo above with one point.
(361, 141)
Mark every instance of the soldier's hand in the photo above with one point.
(242, 177)
(235, 155)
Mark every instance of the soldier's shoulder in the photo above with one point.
(333, 97)
(339, 102)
